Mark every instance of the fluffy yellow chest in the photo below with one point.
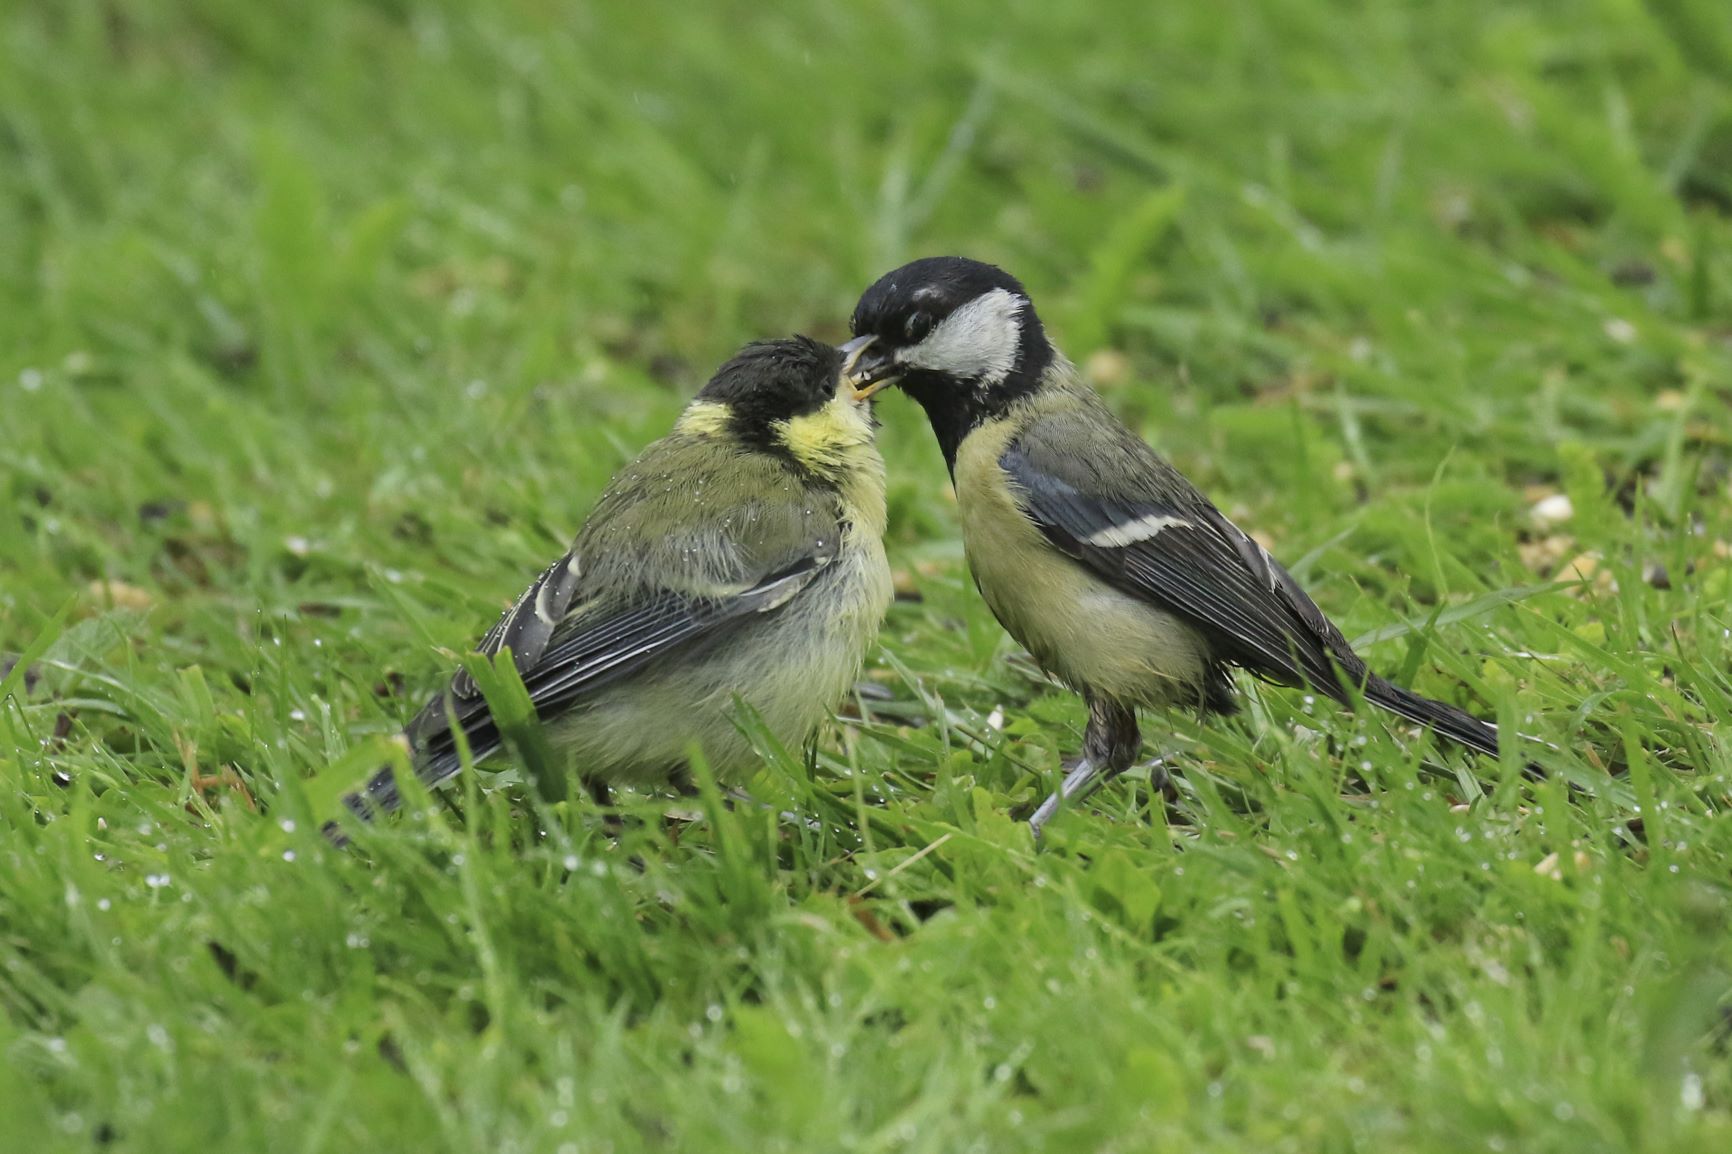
(837, 442)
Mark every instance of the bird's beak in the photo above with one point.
(865, 371)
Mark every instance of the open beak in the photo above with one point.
(865, 371)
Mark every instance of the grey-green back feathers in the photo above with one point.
(720, 565)
(1145, 590)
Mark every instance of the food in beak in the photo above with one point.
(852, 352)
(865, 389)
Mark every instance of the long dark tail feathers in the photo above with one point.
(1456, 724)
(435, 762)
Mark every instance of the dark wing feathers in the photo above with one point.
(586, 657)
(527, 626)
(657, 569)
(1169, 546)
(1196, 564)
(585, 652)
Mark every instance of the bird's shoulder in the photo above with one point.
(1103, 497)
(1067, 432)
(694, 517)
(684, 523)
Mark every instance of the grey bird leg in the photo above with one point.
(1110, 743)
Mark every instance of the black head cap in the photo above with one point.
(904, 304)
(769, 381)
(993, 351)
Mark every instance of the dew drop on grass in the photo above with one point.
(1690, 1094)
(104, 904)
(713, 1012)
(288, 855)
(570, 862)
(156, 881)
(287, 824)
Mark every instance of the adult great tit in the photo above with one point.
(740, 558)
(1114, 571)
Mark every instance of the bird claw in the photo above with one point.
(1084, 776)
(1081, 778)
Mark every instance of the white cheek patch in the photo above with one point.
(979, 341)
(1131, 532)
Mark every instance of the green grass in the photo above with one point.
(322, 324)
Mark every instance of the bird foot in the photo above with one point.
(1083, 776)
(1161, 779)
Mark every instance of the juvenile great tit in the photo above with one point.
(1121, 579)
(739, 557)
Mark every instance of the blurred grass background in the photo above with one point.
(322, 324)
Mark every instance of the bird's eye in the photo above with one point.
(918, 325)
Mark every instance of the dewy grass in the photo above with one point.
(321, 326)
